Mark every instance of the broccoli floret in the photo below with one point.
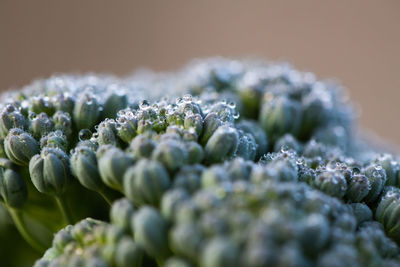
(244, 163)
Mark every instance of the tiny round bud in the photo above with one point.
(331, 183)
(64, 103)
(315, 149)
(114, 103)
(219, 252)
(314, 233)
(286, 142)
(280, 115)
(195, 122)
(112, 165)
(388, 212)
(142, 146)
(210, 125)
(226, 113)
(50, 172)
(213, 176)
(314, 114)
(86, 111)
(84, 167)
(62, 122)
(171, 154)
(358, 188)
(247, 147)
(41, 104)
(251, 98)
(20, 147)
(258, 133)
(121, 214)
(54, 139)
(146, 182)
(238, 169)
(391, 168)
(306, 174)
(107, 131)
(222, 145)
(128, 254)
(127, 129)
(11, 117)
(195, 152)
(285, 170)
(186, 240)
(171, 200)
(377, 179)
(188, 178)
(151, 233)
(40, 125)
(361, 212)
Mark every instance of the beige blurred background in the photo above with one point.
(356, 42)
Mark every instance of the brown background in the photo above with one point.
(356, 42)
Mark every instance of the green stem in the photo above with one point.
(106, 198)
(62, 205)
(21, 226)
(109, 195)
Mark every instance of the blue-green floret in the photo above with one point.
(260, 218)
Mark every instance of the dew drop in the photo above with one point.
(85, 134)
(144, 104)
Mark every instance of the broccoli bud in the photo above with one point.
(146, 182)
(13, 190)
(20, 147)
(113, 163)
(11, 117)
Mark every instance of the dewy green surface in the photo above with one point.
(223, 163)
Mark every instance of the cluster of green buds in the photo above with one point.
(139, 153)
(371, 184)
(245, 164)
(92, 243)
(268, 224)
(282, 99)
